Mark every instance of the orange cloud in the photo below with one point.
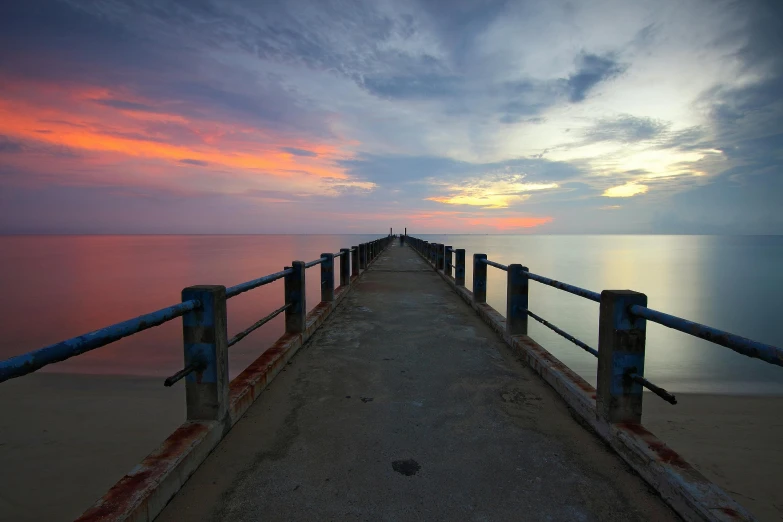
(91, 120)
(510, 223)
(456, 221)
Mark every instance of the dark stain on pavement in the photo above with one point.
(406, 467)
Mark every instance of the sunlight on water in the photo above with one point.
(733, 283)
(62, 286)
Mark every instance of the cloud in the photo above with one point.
(625, 129)
(511, 223)
(423, 86)
(401, 108)
(627, 190)
(8, 145)
(492, 191)
(197, 163)
(592, 69)
(299, 152)
(126, 105)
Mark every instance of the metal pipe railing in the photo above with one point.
(255, 283)
(37, 359)
(30, 362)
(258, 324)
(496, 265)
(621, 324)
(743, 345)
(571, 289)
(564, 334)
(315, 262)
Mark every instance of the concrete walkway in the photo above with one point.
(406, 406)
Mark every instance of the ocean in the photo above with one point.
(57, 287)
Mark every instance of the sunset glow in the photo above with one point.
(269, 117)
(625, 191)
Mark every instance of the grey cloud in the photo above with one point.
(56, 40)
(7, 145)
(126, 105)
(685, 139)
(747, 121)
(147, 49)
(197, 163)
(592, 70)
(398, 170)
(11, 146)
(299, 152)
(527, 99)
(423, 86)
(423, 171)
(625, 129)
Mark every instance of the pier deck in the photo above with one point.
(405, 405)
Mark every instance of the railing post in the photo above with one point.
(206, 346)
(345, 267)
(447, 264)
(440, 256)
(295, 295)
(516, 300)
(425, 250)
(363, 256)
(621, 339)
(355, 260)
(479, 279)
(459, 268)
(327, 277)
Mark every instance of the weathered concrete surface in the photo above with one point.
(405, 371)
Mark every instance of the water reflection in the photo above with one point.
(728, 282)
(67, 285)
(64, 286)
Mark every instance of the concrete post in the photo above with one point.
(621, 339)
(206, 347)
(327, 277)
(479, 279)
(295, 295)
(447, 264)
(345, 267)
(363, 256)
(459, 267)
(440, 258)
(355, 260)
(516, 300)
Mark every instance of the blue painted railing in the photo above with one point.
(30, 362)
(621, 327)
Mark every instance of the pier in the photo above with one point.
(403, 395)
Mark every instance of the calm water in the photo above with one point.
(60, 286)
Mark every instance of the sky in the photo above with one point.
(250, 116)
